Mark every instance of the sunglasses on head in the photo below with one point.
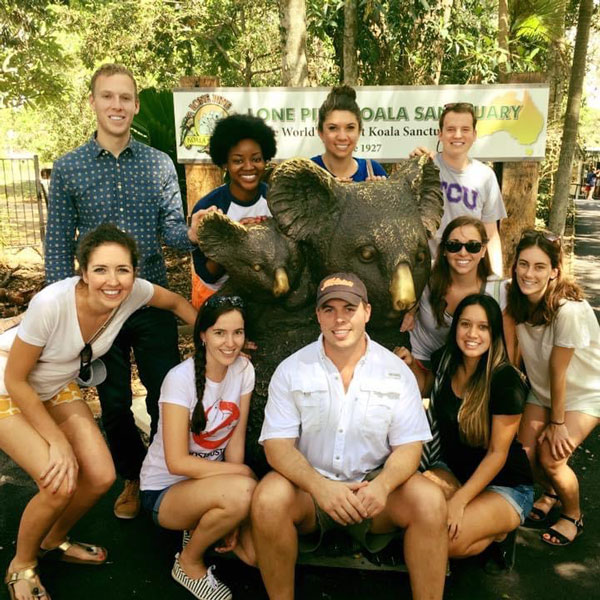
(218, 301)
(536, 234)
(85, 363)
(452, 105)
(454, 246)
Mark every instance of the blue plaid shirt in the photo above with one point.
(138, 192)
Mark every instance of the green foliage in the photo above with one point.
(161, 41)
(32, 61)
(155, 125)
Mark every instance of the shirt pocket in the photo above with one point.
(311, 397)
(382, 397)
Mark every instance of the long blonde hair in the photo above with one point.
(474, 412)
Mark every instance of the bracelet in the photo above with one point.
(557, 422)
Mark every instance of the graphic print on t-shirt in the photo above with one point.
(221, 419)
(455, 193)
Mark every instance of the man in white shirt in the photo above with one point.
(469, 187)
(343, 431)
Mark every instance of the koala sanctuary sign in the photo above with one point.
(511, 119)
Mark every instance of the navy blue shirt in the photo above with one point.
(138, 192)
(223, 199)
(361, 173)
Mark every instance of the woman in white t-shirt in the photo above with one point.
(194, 477)
(559, 342)
(45, 426)
(462, 267)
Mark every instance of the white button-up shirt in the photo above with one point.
(344, 435)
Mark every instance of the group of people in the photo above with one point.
(344, 425)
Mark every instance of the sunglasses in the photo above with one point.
(454, 246)
(85, 363)
(536, 234)
(218, 301)
(452, 105)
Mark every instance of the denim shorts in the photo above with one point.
(151, 500)
(520, 497)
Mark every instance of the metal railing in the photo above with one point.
(23, 204)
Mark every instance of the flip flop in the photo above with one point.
(563, 540)
(28, 574)
(60, 553)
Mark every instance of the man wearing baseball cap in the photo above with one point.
(343, 431)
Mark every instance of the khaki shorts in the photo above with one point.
(373, 542)
(70, 393)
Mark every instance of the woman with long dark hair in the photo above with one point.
(194, 477)
(461, 267)
(339, 127)
(559, 343)
(477, 400)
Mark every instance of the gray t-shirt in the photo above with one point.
(427, 336)
(472, 192)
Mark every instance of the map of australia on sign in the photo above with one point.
(525, 128)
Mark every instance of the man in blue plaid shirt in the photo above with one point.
(114, 178)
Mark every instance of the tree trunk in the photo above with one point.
(557, 71)
(350, 33)
(503, 60)
(294, 67)
(520, 182)
(558, 212)
(438, 49)
(519, 191)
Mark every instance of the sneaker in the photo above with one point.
(127, 505)
(206, 588)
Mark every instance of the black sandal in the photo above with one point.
(563, 540)
(540, 515)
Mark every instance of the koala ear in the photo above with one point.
(303, 198)
(218, 234)
(424, 179)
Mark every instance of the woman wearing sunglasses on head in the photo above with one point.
(559, 343)
(45, 426)
(194, 477)
(339, 127)
(461, 267)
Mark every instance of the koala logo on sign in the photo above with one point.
(198, 124)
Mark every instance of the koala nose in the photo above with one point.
(281, 285)
(402, 288)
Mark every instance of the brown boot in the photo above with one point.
(127, 505)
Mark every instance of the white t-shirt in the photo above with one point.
(427, 336)
(345, 435)
(222, 407)
(574, 326)
(473, 192)
(51, 323)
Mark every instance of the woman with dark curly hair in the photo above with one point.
(340, 126)
(242, 145)
(559, 342)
